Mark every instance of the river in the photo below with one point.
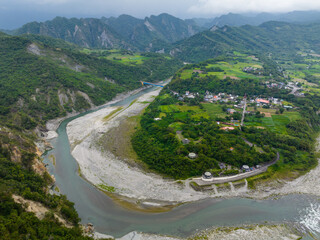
(97, 208)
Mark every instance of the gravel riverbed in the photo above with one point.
(102, 168)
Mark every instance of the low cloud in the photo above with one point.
(239, 6)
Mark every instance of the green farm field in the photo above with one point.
(233, 68)
(277, 122)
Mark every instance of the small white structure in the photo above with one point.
(192, 155)
(157, 119)
(246, 168)
(207, 176)
(185, 141)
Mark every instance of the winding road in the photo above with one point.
(219, 180)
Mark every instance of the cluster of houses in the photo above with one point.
(221, 97)
(278, 85)
(190, 95)
(187, 94)
(253, 70)
(290, 86)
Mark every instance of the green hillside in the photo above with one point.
(40, 82)
(271, 37)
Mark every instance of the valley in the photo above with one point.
(229, 140)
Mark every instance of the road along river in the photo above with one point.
(96, 207)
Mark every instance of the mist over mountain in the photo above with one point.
(233, 19)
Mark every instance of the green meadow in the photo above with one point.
(121, 56)
(233, 68)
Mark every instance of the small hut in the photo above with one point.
(186, 141)
(192, 155)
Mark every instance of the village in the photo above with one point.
(236, 108)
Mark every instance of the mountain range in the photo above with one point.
(149, 34)
(154, 33)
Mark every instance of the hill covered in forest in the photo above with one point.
(271, 37)
(41, 82)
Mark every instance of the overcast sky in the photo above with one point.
(14, 13)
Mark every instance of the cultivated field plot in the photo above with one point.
(233, 68)
(214, 110)
(121, 56)
(275, 122)
(181, 113)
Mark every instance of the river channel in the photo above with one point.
(97, 208)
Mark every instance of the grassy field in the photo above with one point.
(181, 112)
(232, 69)
(277, 122)
(121, 56)
(214, 110)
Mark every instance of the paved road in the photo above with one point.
(237, 177)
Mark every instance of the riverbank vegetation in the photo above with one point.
(200, 112)
(15, 222)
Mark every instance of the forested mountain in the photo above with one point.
(39, 82)
(270, 37)
(151, 33)
(88, 32)
(42, 78)
(232, 19)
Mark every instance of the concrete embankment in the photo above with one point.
(220, 180)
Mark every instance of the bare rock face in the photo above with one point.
(34, 49)
(15, 155)
(89, 229)
(38, 167)
(86, 97)
(38, 209)
(149, 26)
(63, 98)
(105, 40)
(214, 28)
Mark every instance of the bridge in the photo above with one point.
(152, 84)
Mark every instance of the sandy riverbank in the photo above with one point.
(250, 232)
(103, 169)
(52, 125)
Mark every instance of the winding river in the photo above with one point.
(97, 208)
